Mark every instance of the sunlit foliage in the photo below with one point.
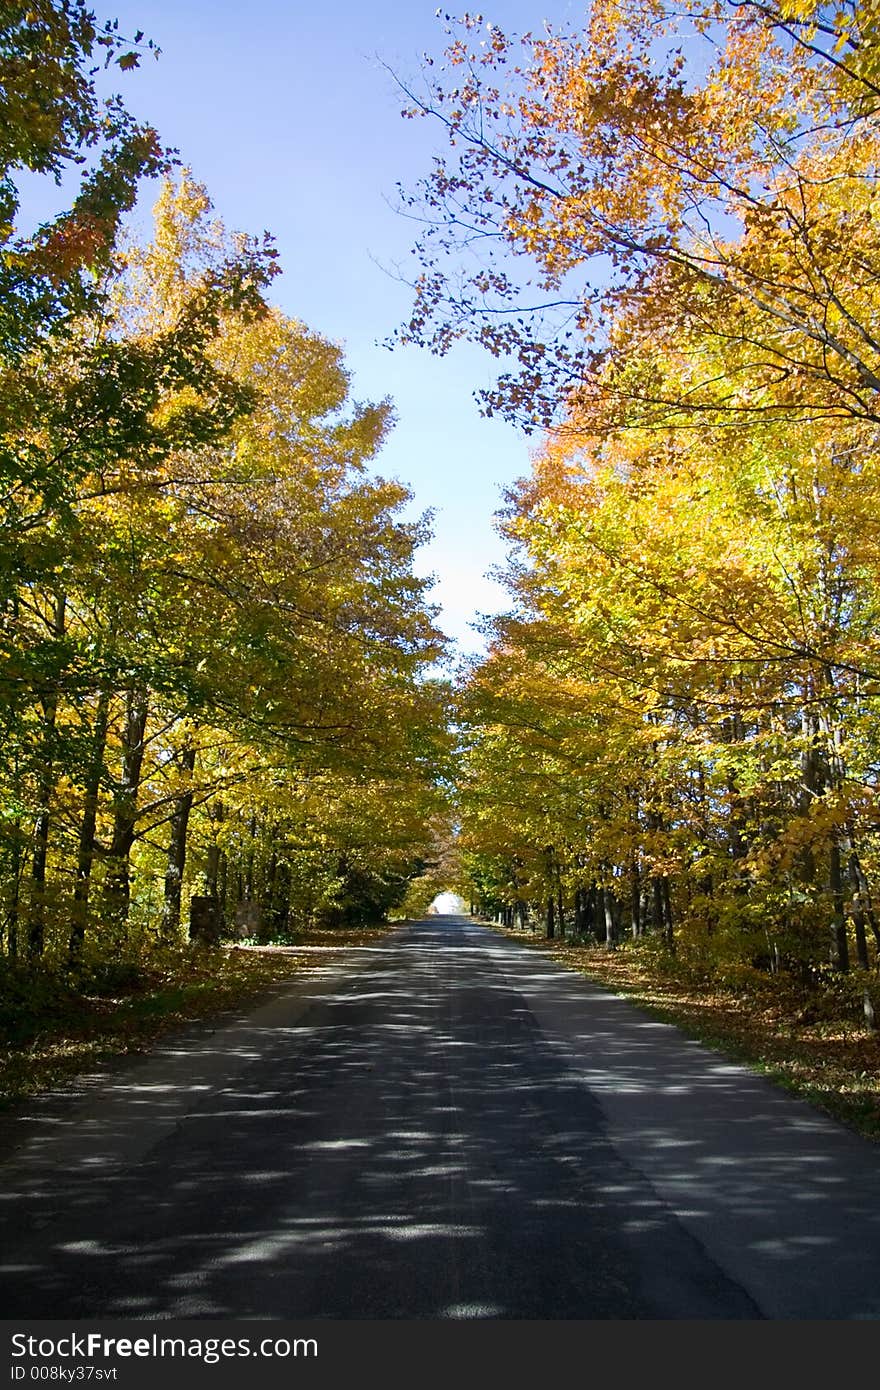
(667, 219)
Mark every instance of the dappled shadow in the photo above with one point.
(786, 1198)
(417, 1140)
(405, 1146)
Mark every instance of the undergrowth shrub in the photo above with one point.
(31, 997)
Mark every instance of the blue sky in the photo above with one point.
(285, 112)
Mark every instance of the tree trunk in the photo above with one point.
(839, 942)
(36, 931)
(732, 733)
(281, 898)
(861, 939)
(117, 885)
(177, 849)
(608, 903)
(249, 861)
(598, 923)
(217, 869)
(863, 889)
(223, 889)
(12, 909)
(635, 899)
(592, 909)
(578, 911)
(669, 928)
(212, 872)
(267, 897)
(657, 912)
(86, 852)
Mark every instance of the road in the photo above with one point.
(448, 1125)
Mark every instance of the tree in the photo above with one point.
(236, 623)
(666, 221)
(54, 119)
(651, 192)
(680, 709)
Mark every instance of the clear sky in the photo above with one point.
(284, 110)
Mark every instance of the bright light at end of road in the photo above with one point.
(448, 905)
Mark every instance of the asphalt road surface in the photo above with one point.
(447, 1125)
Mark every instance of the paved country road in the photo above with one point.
(447, 1126)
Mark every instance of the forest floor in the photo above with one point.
(52, 1030)
(808, 1041)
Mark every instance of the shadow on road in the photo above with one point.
(455, 1130)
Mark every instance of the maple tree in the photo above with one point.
(213, 637)
(682, 705)
(54, 121)
(220, 710)
(650, 193)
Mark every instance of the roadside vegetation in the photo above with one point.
(54, 1028)
(672, 745)
(218, 718)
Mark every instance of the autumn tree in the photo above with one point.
(226, 621)
(692, 648)
(54, 121)
(650, 191)
(683, 709)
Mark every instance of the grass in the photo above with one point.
(51, 1031)
(809, 1041)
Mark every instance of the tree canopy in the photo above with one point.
(219, 714)
(666, 221)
